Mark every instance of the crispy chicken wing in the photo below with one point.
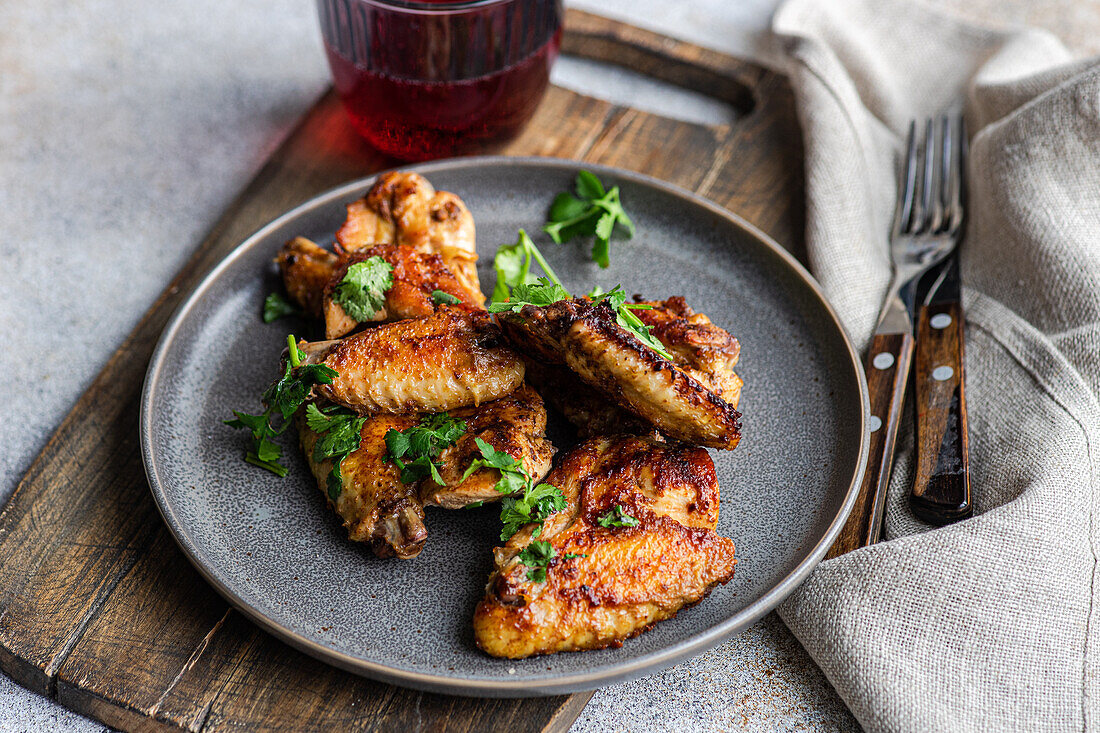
(586, 338)
(404, 208)
(306, 268)
(605, 584)
(375, 506)
(415, 276)
(447, 360)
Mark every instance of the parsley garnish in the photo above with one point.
(617, 518)
(276, 307)
(544, 292)
(513, 265)
(283, 398)
(362, 292)
(440, 298)
(593, 211)
(414, 451)
(528, 502)
(339, 432)
(572, 556)
(537, 557)
(625, 318)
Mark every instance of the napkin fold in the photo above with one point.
(991, 623)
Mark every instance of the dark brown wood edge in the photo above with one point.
(941, 489)
(887, 369)
(77, 571)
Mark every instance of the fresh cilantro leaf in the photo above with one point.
(441, 298)
(362, 292)
(540, 294)
(617, 518)
(513, 266)
(567, 206)
(588, 186)
(625, 318)
(526, 502)
(334, 482)
(537, 556)
(340, 430)
(414, 451)
(276, 307)
(572, 556)
(284, 398)
(595, 211)
(473, 505)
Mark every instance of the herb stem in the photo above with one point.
(545, 266)
(292, 343)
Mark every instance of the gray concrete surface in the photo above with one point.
(126, 127)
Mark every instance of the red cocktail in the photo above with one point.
(427, 78)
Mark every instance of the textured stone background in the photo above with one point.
(127, 126)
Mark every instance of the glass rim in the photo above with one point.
(438, 7)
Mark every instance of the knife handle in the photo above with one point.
(941, 491)
(887, 367)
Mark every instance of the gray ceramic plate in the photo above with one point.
(274, 550)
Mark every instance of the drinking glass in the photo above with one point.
(431, 78)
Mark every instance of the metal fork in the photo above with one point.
(927, 223)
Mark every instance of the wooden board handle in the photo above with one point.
(941, 491)
(887, 368)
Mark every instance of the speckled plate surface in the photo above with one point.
(274, 550)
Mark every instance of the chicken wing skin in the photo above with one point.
(306, 268)
(415, 276)
(404, 208)
(605, 584)
(704, 351)
(515, 424)
(373, 502)
(586, 338)
(450, 359)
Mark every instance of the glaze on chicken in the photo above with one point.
(605, 584)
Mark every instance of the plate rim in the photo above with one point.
(564, 684)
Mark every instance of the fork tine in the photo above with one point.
(956, 174)
(907, 185)
(928, 180)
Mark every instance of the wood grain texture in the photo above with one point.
(889, 357)
(100, 610)
(941, 489)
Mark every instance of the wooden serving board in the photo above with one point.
(99, 609)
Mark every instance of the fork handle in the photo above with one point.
(941, 491)
(887, 367)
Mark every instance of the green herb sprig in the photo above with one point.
(283, 398)
(537, 556)
(276, 307)
(340, 432)
(593, 211)
(513, 266)
(617, 518)
(415, 451)
(527, 501)
(362, 291)
(440, 297)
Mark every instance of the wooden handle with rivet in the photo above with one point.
(887, 367)
(941, 490)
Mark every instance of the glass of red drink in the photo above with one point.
(431, 78)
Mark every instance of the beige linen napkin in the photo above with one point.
(989, 624)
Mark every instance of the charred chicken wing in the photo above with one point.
(306, 268)
(450, 359)
(586, 338)
(635, 544)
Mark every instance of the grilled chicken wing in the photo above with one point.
(515, 424)
(415, 276)
(306, 268)
(586, 338)
(605, 584)
(447, 360)
(404, 208)
(375, 506)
